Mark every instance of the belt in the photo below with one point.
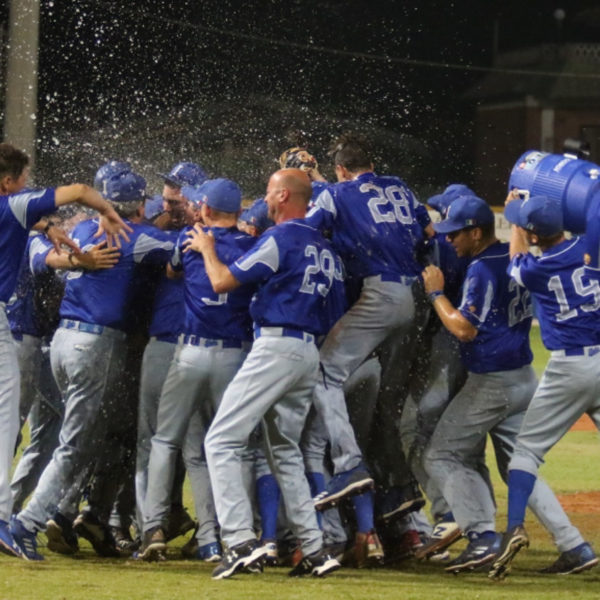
(172, 338)
(196, 340)
(582, 351)
(284, 332)
(89, 327)
(403, 279)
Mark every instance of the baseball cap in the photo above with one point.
(195, 193)
(538, 214)
(465, 211)
(222, 194)
(441, 202)
(257, 215)
(185, 173)
(125, 187)
(109, 169)
(153, 207)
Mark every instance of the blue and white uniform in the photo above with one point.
(18, 213)
(217, 333)
(296, 271)
(87, 355)
(499, 387)
(374, 228)
(40, 398)
(567, 300)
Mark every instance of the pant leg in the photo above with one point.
(9, 412)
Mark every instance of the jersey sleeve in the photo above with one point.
(30, 206)
(259, 263)
(322, 215)
(38, 250)
(153, 247)
(478, 293)
(522, 269)
(176, 262)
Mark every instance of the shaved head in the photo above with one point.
(296, 181)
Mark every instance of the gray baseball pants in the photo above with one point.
(493, 403)
(275, 384)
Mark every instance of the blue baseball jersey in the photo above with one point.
(373, 224)
(207, 314)
(18, 213)
(102, 297)
(566, 294)
(317, 188)
(298, 273)
(501, 312)
(23, 317)
(168, 308)
(453, 267)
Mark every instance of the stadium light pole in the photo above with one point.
(20, 112)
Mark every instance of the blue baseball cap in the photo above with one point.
(441, 202)
(126, 187)
(195, 193)
(184, 173)
(257, 215)
(109, 169)
(538, 214)
(222, 194)
(465, 211)
(153, 207)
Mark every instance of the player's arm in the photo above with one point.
(452, 319)
(110, 222)
(97, 257)
(518, 238)
(220, 276)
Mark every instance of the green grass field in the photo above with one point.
(571, 467)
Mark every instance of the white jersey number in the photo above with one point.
(519, 308)
(322, 262)
(398, 197)
(581, 288)
(222, 299)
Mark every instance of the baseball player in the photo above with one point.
(375, 230)
(19, 211)
(296, 271)
(567, 296)
(299, 158)
(217, 334)
(492, 323)
(174, 204)
(86, 356)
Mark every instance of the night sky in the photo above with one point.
(400, 66)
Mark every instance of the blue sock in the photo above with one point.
(520, 486)
(316, 481)
(363, 510)
(268, 494)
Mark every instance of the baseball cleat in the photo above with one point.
(180, 522)
(89, 527)
(317, 564)
(7, 542)
(61, 537)
(345, 484)
(444, 534)
(580, 558)
(25, 540)
(396, 503)
(480, 551)
(154, 545)
(368, 551)
(513, 540)
(244, 556)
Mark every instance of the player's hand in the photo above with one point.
(512, 195)
(114, 227)
(99, 256)
(198, 240)
(58, 237)
(433, 279)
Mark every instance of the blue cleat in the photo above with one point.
(480, 551)
(345, 484)
(7, 542)
(580, 558)
(26, 540)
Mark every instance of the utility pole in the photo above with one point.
(22, 75)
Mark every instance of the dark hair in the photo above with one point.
(126, 210)
(12, 161)
(488, 229)
(351, 151)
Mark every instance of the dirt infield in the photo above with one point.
(581, 502)
(584, 424)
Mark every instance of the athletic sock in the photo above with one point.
(268, 494)
(520, 486)
(363, 510)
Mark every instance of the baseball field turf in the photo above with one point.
(571, 469)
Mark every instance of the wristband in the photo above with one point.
(70, 259)
(435, 294)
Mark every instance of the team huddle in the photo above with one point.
(318, 366)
